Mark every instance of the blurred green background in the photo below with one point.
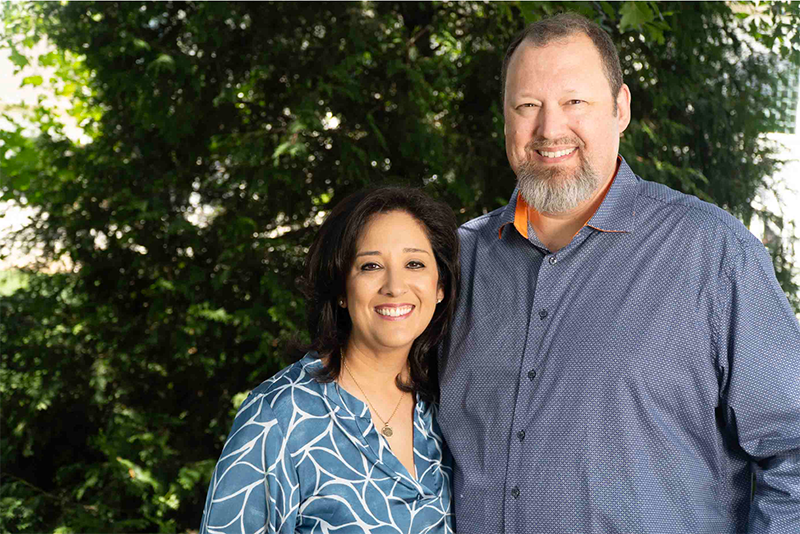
(215, 136)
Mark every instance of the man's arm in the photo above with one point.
(759, 344)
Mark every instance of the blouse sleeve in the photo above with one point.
(254, 488)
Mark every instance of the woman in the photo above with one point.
(346, 440)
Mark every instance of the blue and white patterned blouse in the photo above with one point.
(304, 456)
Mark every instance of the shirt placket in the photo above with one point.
(549, 289)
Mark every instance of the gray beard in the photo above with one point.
(555, 190)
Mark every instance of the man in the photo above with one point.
(623, 359)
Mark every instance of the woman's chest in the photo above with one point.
(347, 484)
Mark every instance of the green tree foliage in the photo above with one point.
(220, 134)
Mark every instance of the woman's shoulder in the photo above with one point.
(289, 384)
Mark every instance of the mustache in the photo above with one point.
(539, 144)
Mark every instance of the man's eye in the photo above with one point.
(575, 101)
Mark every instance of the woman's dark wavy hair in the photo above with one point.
(331, 256)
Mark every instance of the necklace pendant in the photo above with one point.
(387, 431)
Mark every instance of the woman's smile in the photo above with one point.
(394, 312)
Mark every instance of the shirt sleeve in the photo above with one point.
(760, 338)
(254, 488)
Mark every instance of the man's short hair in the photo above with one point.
(560, 27)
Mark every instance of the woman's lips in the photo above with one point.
(394, 311)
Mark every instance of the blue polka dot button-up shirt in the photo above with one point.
(639, 380)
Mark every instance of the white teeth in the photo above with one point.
(556, 154)
(394, 312)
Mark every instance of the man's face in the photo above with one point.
(562, 134)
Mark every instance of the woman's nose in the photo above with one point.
(395, 283)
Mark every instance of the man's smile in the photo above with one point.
(557, 154)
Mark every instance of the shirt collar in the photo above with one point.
(618, 209)
(615, 213)
(331, 390)
(509, 215)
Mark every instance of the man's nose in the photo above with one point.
(551, 122)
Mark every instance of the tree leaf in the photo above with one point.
(35, 80)
(164, 62)
(634, 15)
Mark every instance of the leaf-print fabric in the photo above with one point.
(304, 457)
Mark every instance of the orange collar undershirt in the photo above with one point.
(523, 212)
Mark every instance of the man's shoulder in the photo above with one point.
(487, 224)
(668, 206)
(482, 221)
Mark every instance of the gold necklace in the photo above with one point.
(386, 430)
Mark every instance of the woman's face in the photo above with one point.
(393, 285)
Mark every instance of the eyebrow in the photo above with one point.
(528, 94)
(368, 253)
(378, 253)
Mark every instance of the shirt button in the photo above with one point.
(542, 314)
(521, 435)
(553, 260)
(515, 492)
(531, 375)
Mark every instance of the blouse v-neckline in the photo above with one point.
(359, 408)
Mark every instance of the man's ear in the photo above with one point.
(623, 107)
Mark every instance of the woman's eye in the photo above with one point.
(371, 266)
(416, 264)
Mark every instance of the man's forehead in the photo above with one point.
(582, 58)
(556, 59)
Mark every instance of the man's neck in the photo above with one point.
(556, 230)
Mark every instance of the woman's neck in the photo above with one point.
(375, 370)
